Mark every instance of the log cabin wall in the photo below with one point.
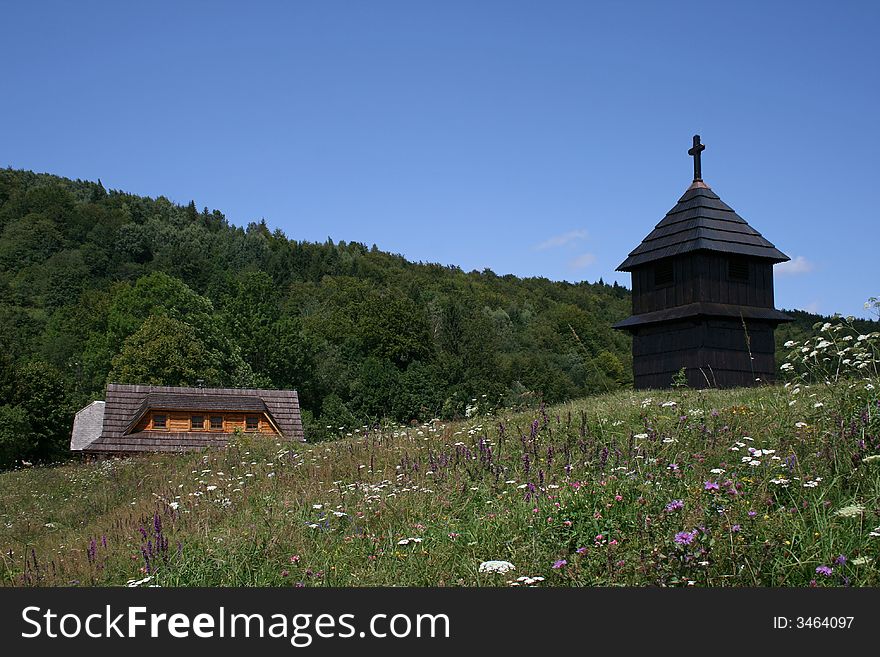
(181, 421)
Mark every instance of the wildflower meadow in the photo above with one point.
(770, 486)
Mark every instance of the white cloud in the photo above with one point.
(799, 265)
(812, 307)
(582, 261)
(562, 240)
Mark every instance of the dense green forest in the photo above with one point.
(101, 286)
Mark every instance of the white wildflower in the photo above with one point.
(496, 566)
(851, 511)
(137, 582)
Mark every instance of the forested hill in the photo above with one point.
(99, 286)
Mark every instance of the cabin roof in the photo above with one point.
(701, 221)
(87, 425)
(126, 405)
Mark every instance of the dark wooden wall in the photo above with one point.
(702, 276)
(714, 352)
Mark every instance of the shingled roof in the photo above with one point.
(703, 309)
(701, 221)
(126, 405)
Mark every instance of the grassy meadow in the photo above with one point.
(770, 486)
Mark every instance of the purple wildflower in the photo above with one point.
(736, 528)
(559, 564)
(752, 514)
(581, 550)
(711, 485)
(675, 505)
(840, 560)
(685, 538)
(824, 570)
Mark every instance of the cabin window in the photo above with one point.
(217, 423)
(252, 423)
(160, 421)
(738, 269)
(197, 422)
(664, 274)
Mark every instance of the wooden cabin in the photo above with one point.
(136, 418)
(702, 295)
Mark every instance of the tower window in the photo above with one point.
(664, 274)
(197, 422)
(160, 421)
(252, 423)
(738, 269)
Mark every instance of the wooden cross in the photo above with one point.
(695, 151)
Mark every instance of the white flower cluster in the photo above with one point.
(838, 351)
(496, 566)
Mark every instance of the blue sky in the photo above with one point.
(533, 138)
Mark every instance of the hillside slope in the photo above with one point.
(777, 486)
(99, 286)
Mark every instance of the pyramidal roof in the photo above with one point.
(701, 221)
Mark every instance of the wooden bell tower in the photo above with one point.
(702, 295)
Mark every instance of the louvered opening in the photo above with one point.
(738, 269)
(664, 274)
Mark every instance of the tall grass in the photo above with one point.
(747, 487)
